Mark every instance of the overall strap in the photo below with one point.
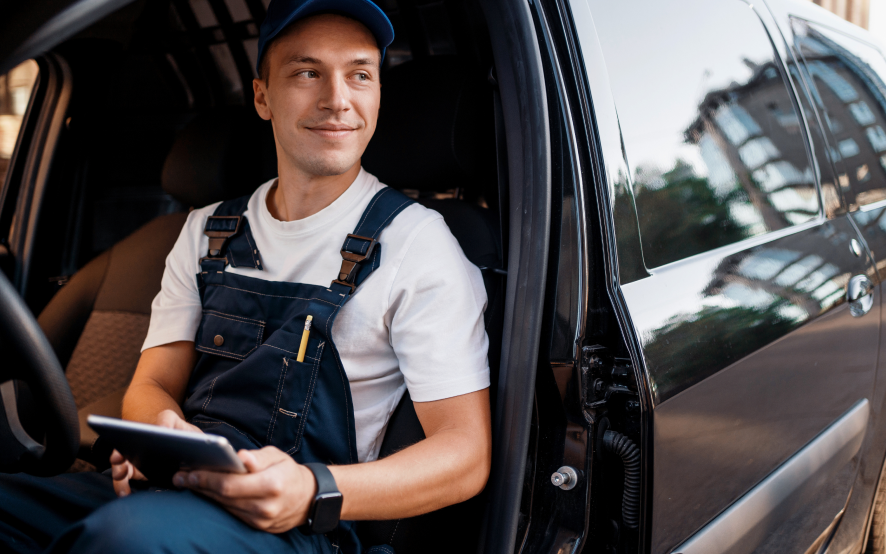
(361, 252)
(230, 240)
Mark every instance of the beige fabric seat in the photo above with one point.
(98, 321)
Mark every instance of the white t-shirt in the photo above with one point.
(416, 322)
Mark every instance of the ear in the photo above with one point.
(260, 89)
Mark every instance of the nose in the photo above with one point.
(335, 96)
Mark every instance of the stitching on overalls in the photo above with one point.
(283, 371)
(234, 317)
(344, 377)
(310, 397)
(365, 215)
(328, 334)
(394, 532)
(281, 349)
(251, 248)
(394, 213)
(209, 396)
(231, 355)
(273, 295)
(253, 441)
(288, 351)
(287, 412)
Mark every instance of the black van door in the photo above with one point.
(753, 306)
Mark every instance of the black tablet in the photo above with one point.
(158, 452)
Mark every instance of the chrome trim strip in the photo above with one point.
(748, 522)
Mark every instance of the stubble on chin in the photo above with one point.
(327, 165)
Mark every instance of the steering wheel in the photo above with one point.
(29, 359)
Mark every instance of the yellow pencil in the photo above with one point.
(304, 339)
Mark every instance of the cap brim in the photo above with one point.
(364, 11)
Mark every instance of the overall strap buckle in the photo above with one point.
(219, 228)
(351, 261)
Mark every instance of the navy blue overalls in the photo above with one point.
(247, 385)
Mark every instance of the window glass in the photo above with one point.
(847, 79)
(711, 135)
(15, 93)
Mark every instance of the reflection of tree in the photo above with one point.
(684, 216)
(690, 348)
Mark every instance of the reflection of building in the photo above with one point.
(852, 99)
(15, 90)
(753, 129)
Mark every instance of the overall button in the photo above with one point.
(218, 340)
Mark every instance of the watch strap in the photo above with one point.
(325, 511)
(325, 480)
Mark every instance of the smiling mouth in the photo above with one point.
(332, 131)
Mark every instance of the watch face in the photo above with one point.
(326, 512)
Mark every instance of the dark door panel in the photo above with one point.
(815, 475)
(754, 353)
(749, 343)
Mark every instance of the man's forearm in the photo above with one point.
(144, 401)
(450, 466)
(159, 382)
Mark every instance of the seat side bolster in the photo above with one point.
(64, 318)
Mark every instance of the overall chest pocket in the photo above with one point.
(229, 335)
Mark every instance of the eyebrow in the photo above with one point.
(310, 60)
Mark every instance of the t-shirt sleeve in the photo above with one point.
(176, 310)
(436, 318)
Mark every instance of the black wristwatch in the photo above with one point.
(325, 510)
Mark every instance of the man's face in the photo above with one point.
(322, 93)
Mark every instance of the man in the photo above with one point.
(220, 355)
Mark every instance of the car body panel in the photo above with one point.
(750, 349)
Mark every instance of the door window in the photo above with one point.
(15, 94)
(847, 83)
(712, 137)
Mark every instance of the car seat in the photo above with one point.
(98, 321)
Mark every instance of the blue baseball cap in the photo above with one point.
(283, 12)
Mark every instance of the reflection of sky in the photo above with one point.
(792, 312)
(862, 113)
(720, 175)
(798, 270)
(748, 297)
(736, 123)
(747, 216)
(833, 80)
(765, 264)
(877, 137)
(758, 151)
(848, 148)
(818, 277)
(775, 175)
(709, 58)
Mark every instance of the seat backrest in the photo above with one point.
(98, 321)
(436, 133)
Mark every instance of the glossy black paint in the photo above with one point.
(789, 378)
(748, 345)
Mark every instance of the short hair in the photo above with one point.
(263, 64)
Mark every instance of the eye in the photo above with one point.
(362, 77)
(308, 74)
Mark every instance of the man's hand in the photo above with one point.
(171, 420)
(122, 470)
(274, 496)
